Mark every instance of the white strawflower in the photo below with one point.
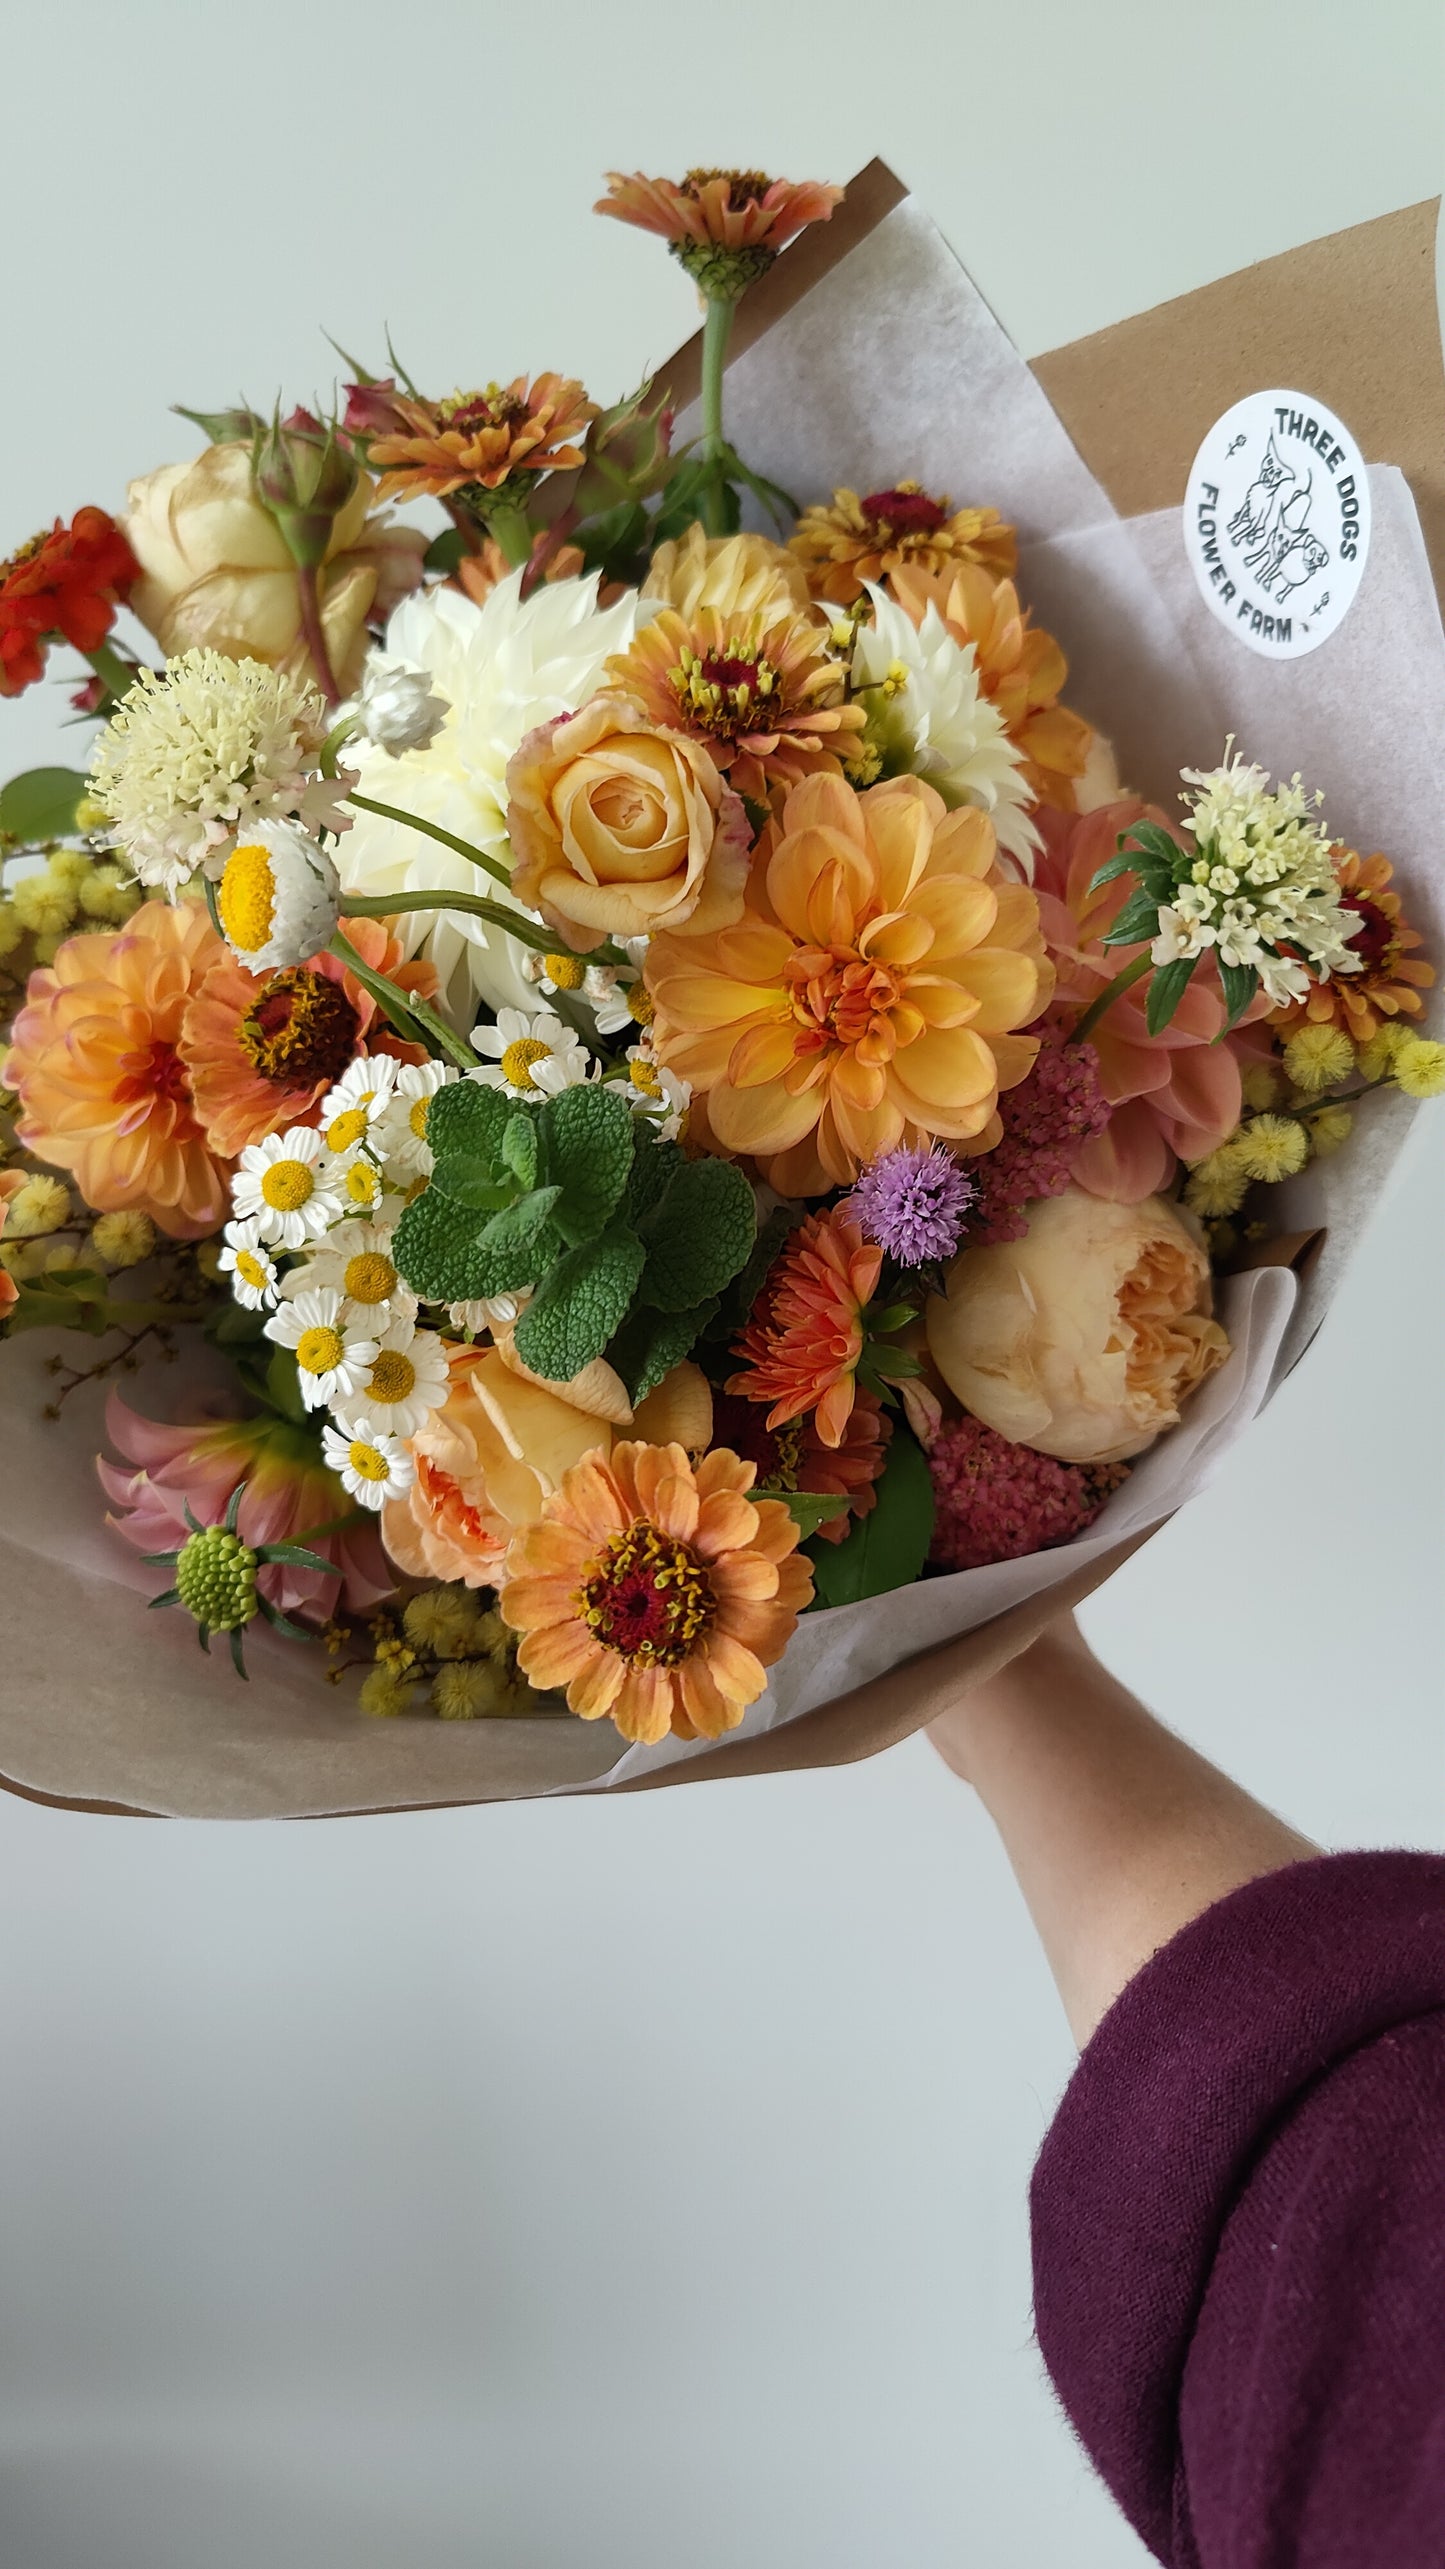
(355, 1260)
(251, 1268)
(404, 1382)
(503, 667)
(333, 1357)
(279, 898)
(399, 1138)
(372, 1468)
(928, 716)
(535, 1056)
(359, 1099)
(396, 708)
(202, 750)
(283, 1185)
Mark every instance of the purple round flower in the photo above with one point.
(913, 1203)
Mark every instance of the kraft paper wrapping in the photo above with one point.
(867, 354)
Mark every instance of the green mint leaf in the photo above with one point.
(698, 1235)
(467, 1117)
(1167, 988)
(521, 1148)
(585, 1139)
(522, 1226)
(888, 1547)
(654, 1165)
(579, 1304)
(774, 1232)
(439, 1251)
(466, 1178)
(650, 1343)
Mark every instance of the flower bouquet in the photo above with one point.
(635, 1094)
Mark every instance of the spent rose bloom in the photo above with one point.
(1084, 1338)
(620, 829)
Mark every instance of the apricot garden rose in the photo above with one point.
(1085, 1338)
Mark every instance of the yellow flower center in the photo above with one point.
(393, 1376)
(287, 1185)
(421, 1108)
(346, 1128)
(642, 1004)
(251, 1271)
(369, 1277)
(362, 1183)
(365, 1461)
(519, 1057)
(565, 971)
(647, 1597)
(246, 898)
(644, 1078)
(319, 1351)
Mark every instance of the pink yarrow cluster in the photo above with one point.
(998, 1502)
(1046, 1123)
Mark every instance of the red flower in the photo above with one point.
(68, 582)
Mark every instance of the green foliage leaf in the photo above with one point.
(736, 1303)
(70, 1298)
(650, 1343)
(580, 1303)
(283, 1386)
(612, 539)
(1167, 988)
(1152, 839)
(524, 1225)
(1138, 920)
(808, 1508)
(439, 1251)
(654, 1165)
(445, 551)
(586, 1151)
(467, 1117)
(41, 804)
(521, 1148)
(698, 1235)
(888, 1547)
(1239, 982)
(1110, 873)
(465, 1177)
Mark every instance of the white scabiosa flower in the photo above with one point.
(359, 1099)
(198, 753)
(503, 667)
(397, 708)
(252, 1270)
(287, 1188)
(399, 1137)
(333, 1358)
(534, 1056)
(928, 716)
(279, 898)
(371, 1469)
(355, 1260)
(404, 1382)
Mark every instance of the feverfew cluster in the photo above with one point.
(1260, 891)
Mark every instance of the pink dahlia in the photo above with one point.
(999, 1502)
(289, 1494)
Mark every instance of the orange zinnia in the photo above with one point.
(1021, 670)
(476, 440)
(868, 995)
(801, 1346)
(843, 545)
(104, 1090)
(656, 1591)
(725, 225)
(766, 700)
(1390, 980)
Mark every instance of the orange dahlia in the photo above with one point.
(476, 440)
(1021, 670)
(851, 540)
(868, 995)
(1391, 977)
(725, 225)
(104, 1089)
(656, 1591)
(766, 700)
(66, 582)
(802, 1344)
(259, 1054)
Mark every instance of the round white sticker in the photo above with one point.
(1277, 522)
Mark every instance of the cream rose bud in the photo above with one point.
(619, 830)
(397, 708)
(215, 570)
(1085, 1338)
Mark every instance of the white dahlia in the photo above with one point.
(928, 716)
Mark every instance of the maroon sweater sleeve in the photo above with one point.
(1239, 2228)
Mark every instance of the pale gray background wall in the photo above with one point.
(602, 2186)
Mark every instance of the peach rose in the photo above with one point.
(619, 829)
(1085, 1338)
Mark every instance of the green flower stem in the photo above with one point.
(1121, 982)
(431, 829)
(716, 331)
(414, 1019)
(117, 676)
(512, 529)
(314, 632)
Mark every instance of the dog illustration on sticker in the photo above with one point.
(1253, 520)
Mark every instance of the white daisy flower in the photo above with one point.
(656, 1092)
(396, 708)
(609, 993)
(404, 1382)
(283, 1186)
(928, 716)
(279, 897)
(333, 1359)
(399, 1138)
(371, 1468)
(364, 1191)
(490, 1312)
(254, 1280)
(535, 1056)
(359, 1099)
(355, 1260)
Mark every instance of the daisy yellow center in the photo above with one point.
(421, 1108)
(319, 1351)
(346, 1128)
(251, 1271)
(247, 898)
(648, 1597)
(393, 1376)
(369, 1277)
(642, 1005)
(644, 1078)
(518, 1059)
(361, 1183)
(287, 1185)
(366, 1462)
(565, 971)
